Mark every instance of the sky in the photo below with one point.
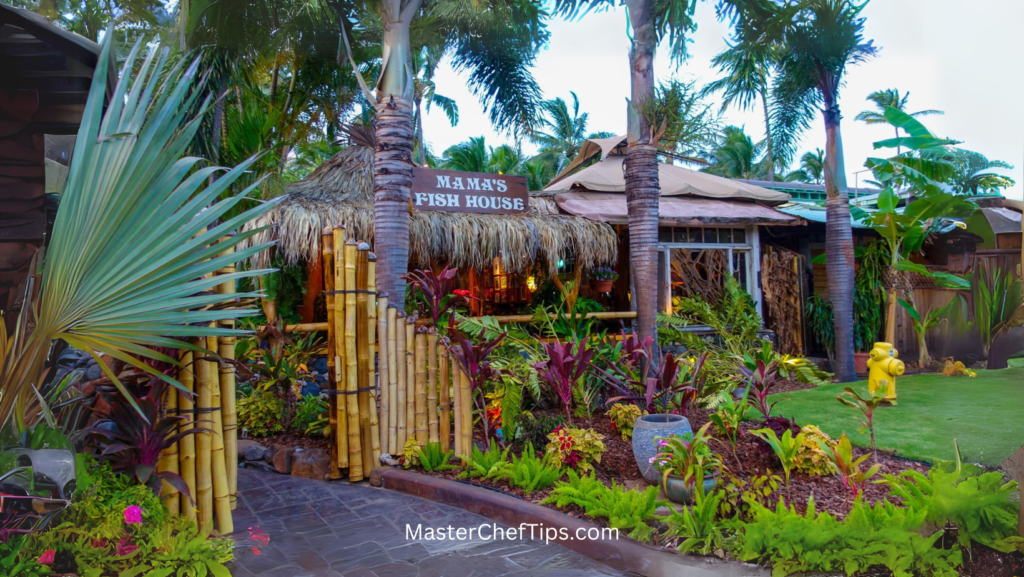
(962, 58)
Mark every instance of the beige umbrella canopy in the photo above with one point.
(607, 176)
(340, 192)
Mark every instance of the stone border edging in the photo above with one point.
(624, 554)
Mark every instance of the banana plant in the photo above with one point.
(140, 231)
(930, 319)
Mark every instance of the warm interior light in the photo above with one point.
(531, 283)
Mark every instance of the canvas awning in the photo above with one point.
(674, 210)
(607, 176)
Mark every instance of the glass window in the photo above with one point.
(739, 236)
(710, 235)
(681, 234)
(725, 235)
(665, 234)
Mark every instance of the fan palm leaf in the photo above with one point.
(139, 234)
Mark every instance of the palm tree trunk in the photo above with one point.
(419, 134)
(839, 246)
(392, 156)
(770, 154)
(641, 171)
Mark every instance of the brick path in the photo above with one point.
(320, 529)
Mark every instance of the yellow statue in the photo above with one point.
(883, 368)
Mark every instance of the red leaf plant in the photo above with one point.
(472, 358)
(435, 292)
(563, 369)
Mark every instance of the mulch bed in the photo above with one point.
(788, 386)
(294, 440)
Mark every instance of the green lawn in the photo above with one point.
(985, 415)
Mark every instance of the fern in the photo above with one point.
(527, 472)
(480, 464)
(699, 527)
(626, 510)
(432, 458)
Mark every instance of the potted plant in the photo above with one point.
(601, 279)
(684, 461)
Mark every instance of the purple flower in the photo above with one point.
(133, 515)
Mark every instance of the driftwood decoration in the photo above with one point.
(699, 273)
(782, 287)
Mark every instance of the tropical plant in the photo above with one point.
(425, 63)
(739, 495)
(603, 273)
(885, 99)
(411, 453)
(143, 206)
(134, 435)
(761, 379)
(432, 458)
(785, 448)
(473, 361)
(841, 458)
(930, 319)
(817, 40)
(973, 173)
(623, 416)
(687, 456)
(734, 319)
(563, 369)
(560, 132)
(261, 411)
(436, 292)
(812, 168)
(481, 464)
(626, 510)
(528, 472)
(727, 420)
(821, 323)
(311, 415)
(998, 299)
(867, 404)
(577, 449)
(698, 527)
(810, 458)
(735, 155)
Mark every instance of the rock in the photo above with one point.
(244, 444)
(280, 456)
(321, 379)
(310, 390)
(255, 452)
(93, 372)
(319, 365)
(259, 466)
(311, 464)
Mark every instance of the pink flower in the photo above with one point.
(125, 547)
(133, 515)
(47, 557)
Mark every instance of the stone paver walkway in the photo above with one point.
(320, 529)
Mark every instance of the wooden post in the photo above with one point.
(444, 382)
(400, 400)
(221, 493)
(466, 426)
(457, 391)
(204, 441)
(432, 385)
(340, 365)
(169, 456)
(327, 246)
(367, 399)
(355, 451)
(410, 375)
(420, 406)
(187, 453)
(392, 340)
(229, 416)
(383, 372)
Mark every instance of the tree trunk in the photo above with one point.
(770, 154)
(422, 155)
(641, 172)
(841, 264)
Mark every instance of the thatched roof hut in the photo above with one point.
(340, 192)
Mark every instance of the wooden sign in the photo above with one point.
(455, 191)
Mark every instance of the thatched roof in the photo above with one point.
(340, 192)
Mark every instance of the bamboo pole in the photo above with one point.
(444, 382)
(420, 405)
(384, 373)
(229, 416)
(410, 376)
(169, 456)
(204, 442)
(187, 445)
(400, 401)
(218, 458)
(367, 400)
(327, 266)
(457, 390)
(432, 385)
(355, 451)
(340, 366)
(466, 426)
(392, 378)
(371, 301)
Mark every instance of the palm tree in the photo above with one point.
(747, 68)
(474, 155)
(812, 168)
(889, 98)
(973, 174)
(817, 41)
(736, 155)
(560, 133)
(495, 42)
(425, 64)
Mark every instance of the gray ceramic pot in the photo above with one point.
(678, 492)
(646, 428)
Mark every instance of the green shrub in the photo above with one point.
(623, 417)
(810, 458)
(576, 448)
(528, 472)
(699, 527)
(261, 412)
(432, 458)
(311, 416)
(480, 464)
(880, 535)
(626, 510)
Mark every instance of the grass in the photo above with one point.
(982, 413)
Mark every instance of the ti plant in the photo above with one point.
(727, 421)
(786, 448)
(435, 292)
(760, 380)
(472, 360)
(848, 468)
(867, 405)
(133, 439)
(563, 369)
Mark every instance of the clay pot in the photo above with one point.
(860, 362)
(601, 286)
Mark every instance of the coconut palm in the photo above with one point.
(812, 168)
(736, 155)
(889, 98)
(817, 40)
(974, 173)
(495, 42)
(474, 155)
(425, 63)
(560, 133)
